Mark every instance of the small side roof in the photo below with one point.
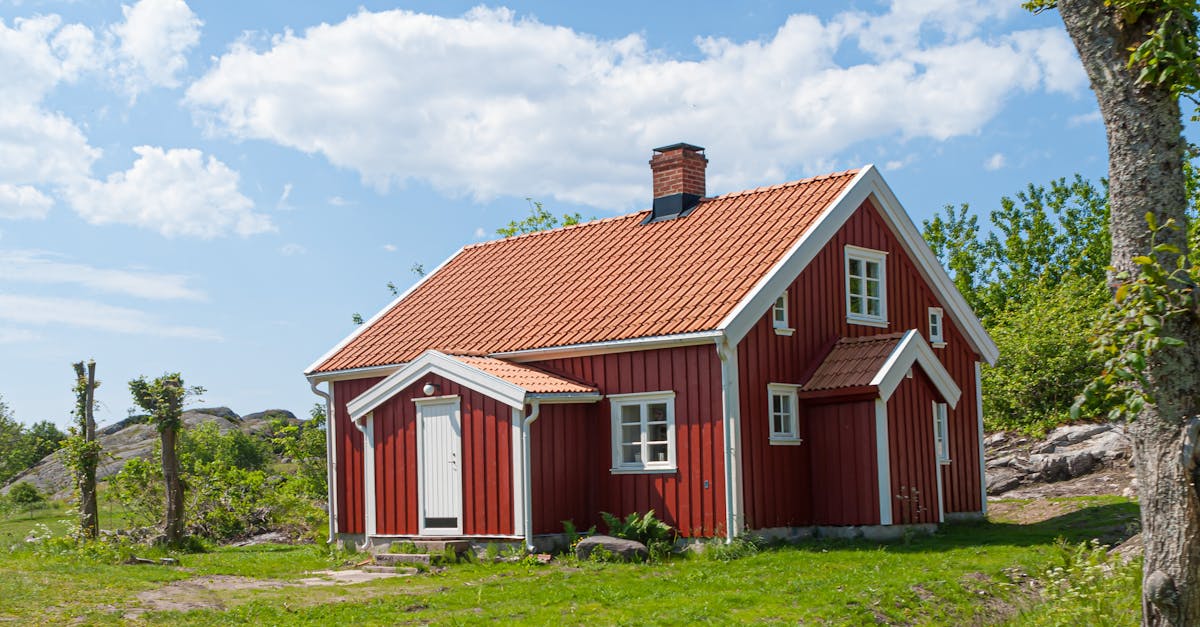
(512, 384)
(879, 362)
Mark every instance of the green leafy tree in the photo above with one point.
(304, 445)
(82, 451)
(26, 496)
(539, 219)
(163, 399)
(1143, 58)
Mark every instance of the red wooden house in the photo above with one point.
(780, 358)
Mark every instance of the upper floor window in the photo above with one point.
(779, 315)
(782, 413)
(643, 428)
(936, 337)
(940, 433)
(866, 286)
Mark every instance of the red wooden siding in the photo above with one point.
(486, 462)
(911, 451)
(578, 448)
(817, 310)
(348, 451)
(844, 480)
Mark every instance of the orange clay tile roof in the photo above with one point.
(529, 378)
(611, 279)
(853, 362)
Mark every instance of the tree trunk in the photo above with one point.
(89, 514)
(170, 466)
(1145, 167)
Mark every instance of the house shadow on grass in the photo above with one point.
(1109, 523)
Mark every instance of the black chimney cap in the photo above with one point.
(678, 146)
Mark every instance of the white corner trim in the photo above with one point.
(883, 461)
(364, 326)
(979, 434)
(434, 362)
(762, 296)
(369, 478)
(911, 349)
(731, 429)
(518, 473)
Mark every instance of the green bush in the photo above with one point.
(741, 546)
(658, 536)
(1089, 586)
(25, 496)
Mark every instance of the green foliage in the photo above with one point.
(163, 398)
(206, 446)
(742, 546)
(304, 445)
(25, 495)
(658, 536)
(539, 220)
(20, 446)
(1088, 586)
(1131, 331)
(573, 535)
(138, 489)
(1041, 266)
(1045, 359)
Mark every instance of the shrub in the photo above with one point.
(25, 496)
(658, 536)
(139, 490)
(741, 546)
(1089, 586)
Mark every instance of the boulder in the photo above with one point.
(626, 550)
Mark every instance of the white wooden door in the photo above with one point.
(440, 476)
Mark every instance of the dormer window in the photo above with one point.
(779, 315)
(936, 337)
(866, 286)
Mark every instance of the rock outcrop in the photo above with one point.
(1017, 465)
(134, 438)
(625, 550)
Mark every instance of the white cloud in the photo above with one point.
(153, 41)
(43, 311)
(282, 203)
(1084, 118)
(338, 201)
(175, 192)
(22, 202)
(489, 104)
(290, 250)
(34, 266)
(480, 233)
(12, 336)
(391, 248)
(995, 162)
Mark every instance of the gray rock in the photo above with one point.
(1079, 463)
(995, 439)
(1002, 481)
(626, 550)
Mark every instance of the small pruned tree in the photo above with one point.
(163, 399)
(82, 451)
(539, 220)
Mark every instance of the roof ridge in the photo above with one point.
(778, 186)
(558, 229)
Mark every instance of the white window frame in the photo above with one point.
(941, 432)
(789, 392)
(937, 328)
(866, 256)
(782, 327)
(643, 400)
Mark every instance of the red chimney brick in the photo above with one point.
(678, 169)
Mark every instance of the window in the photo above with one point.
(643, 432)
(779, 315)
(782, 413)
(866, 286)
(940, 430)
(935, 327)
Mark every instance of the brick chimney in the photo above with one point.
(678, 181)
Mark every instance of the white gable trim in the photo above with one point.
(911, 349)
(868, 183)
(442, 365)
(364, 326)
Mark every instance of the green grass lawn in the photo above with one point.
(962, 575)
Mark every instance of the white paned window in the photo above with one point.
(941, 439)
(936, 337)
(779, 312)
(782, 412)
(643, 431)
(866, 286)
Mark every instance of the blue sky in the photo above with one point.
(216, 189)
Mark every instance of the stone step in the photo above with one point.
(398, 570)
(440, 546)
(391, 559)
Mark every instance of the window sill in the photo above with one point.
(869, 322)
(784, 331)
(785, 441)
(944, 462)
(938, 344)
(644, 471)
